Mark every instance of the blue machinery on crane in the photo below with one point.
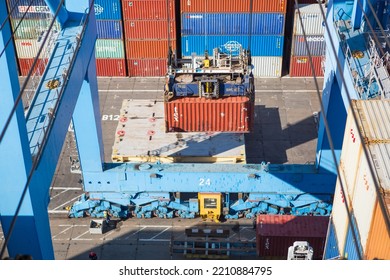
(32, 143)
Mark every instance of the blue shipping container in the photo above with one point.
(331, 247)
(232, 24)
(260, 45)
(353, 247)
(109, 29)
(38, 9)
(108, 9)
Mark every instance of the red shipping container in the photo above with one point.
(25, 65)
(194, 114)
(147, 67)
(276, 233)
(149, 29)
(111, 67)
(148, 48)
(148, 9)
(232, 6)
(300, 66)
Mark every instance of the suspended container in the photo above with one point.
(331, 251)
(194, 114)
(266, 45)
(109, 29)
(148, 9)
(316, 44)
(353, 248)
(276, 233)
(111, 67)
(233, 6)
(312, 20)
(232, 24)
(108, 9)
(25, 64)
(107, 48)
(31, 28)
(300, 66)
(151, 49)
(147, 67)
(150, 29)
(37, 10)
(267, 66)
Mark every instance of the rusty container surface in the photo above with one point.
(194, 114)
(147, 67)
(25, 65)
(233, 6)
(148, 9)
(148, 48)
(149, 29)
(300, 66)
(276, 233)
(111, 67)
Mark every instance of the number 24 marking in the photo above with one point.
(204, 182)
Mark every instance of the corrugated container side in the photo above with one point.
(27, 48)
(149, 29)
(231, 24)
(353, 247)
(312, 20)
(147, 67)
(107, 48)
(108, 9)
(111, 67)
(156, 49)
(148, 9)
(25, 65)
(316, 45)
(267, 66)
(276, 233)
(109, 29)
(229, 114)
(37, 9)
(266, 45)
(31, 28)
(331, 250)
(300, 66)
(233, 6)
(378, 244)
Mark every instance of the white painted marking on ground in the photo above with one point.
(67, 202)
(155, 240)
(78, 237)
(107, 234)
(135, 233)
(65, 230)
(58, 212)
(64, 191)
(160, 233)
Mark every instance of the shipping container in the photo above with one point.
(109, 29)
(28, 48)
(353, 248)
(37, 10)
(267, 66)
(300, 66)
(266, 45)
(233, 6)
(312, 20)
(147, 67)
(148, 9)
(192, 114)
(316, 44)
(149, 29)
(108, 9)
(108, 48)
(111, 67)
(232, 24)
(378, 245)
(331, 250)
(155, 49)
(31, 28)
(276, 233)
(25, 64)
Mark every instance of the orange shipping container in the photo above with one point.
(148, 9)
(194, 114)
(110, 67)
(149, 29)
(147, 67)
(300, 66)
(378, 243)
(25, 65)
(148, 48)
(233, 6)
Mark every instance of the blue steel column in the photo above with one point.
(15, 165)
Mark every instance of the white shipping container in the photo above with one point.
(312, 20)
(267, 66)
(27, 48)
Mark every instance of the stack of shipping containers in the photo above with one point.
(109, 52)
(29, 31)
(358, 228)
(206, 25)
(150, 28)
(313, 27)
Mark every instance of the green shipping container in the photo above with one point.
(31, 28)
(109, 48)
